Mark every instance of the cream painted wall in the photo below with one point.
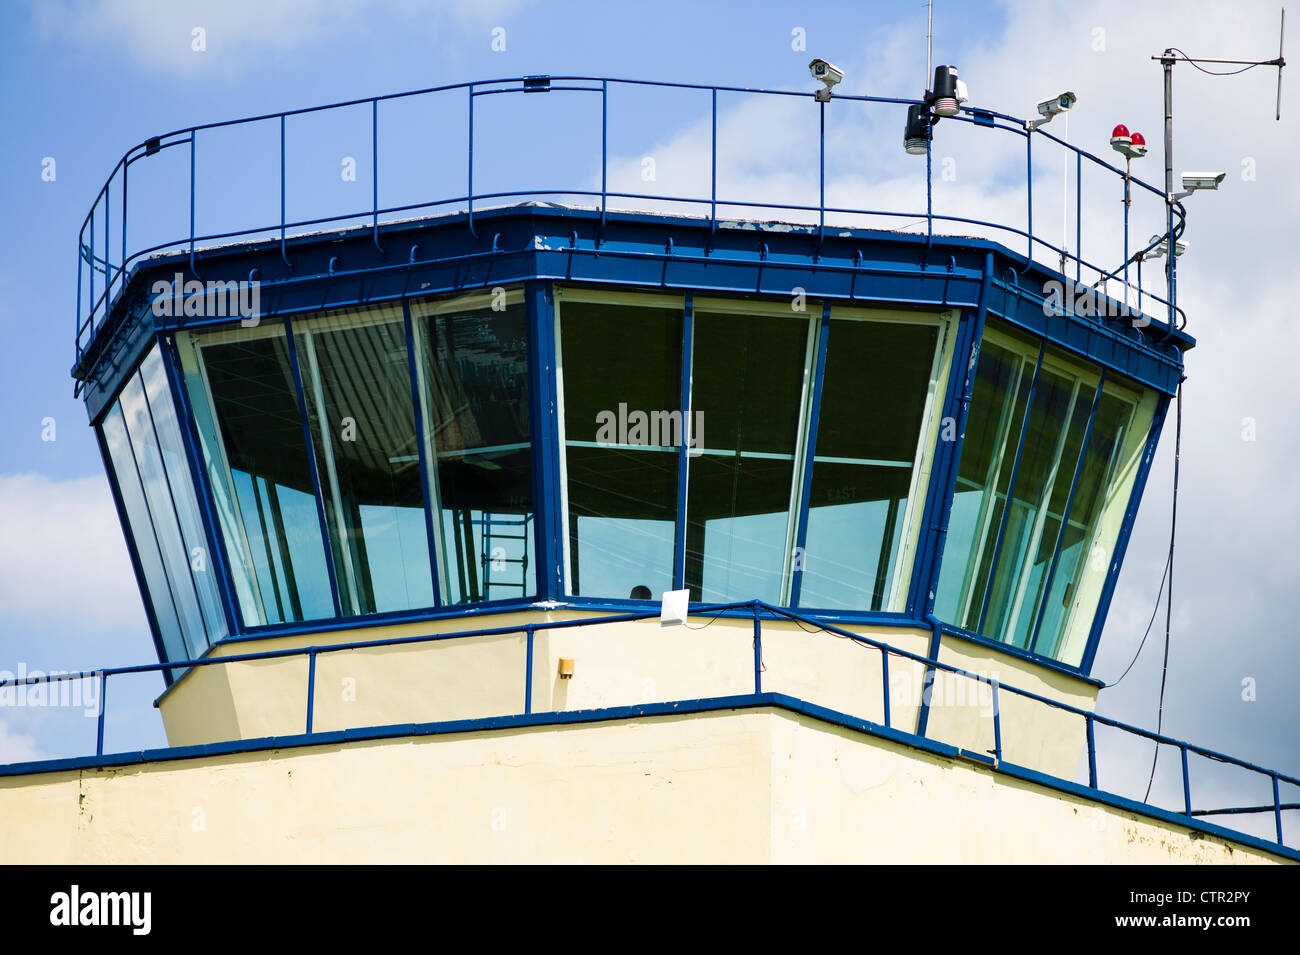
(616, 665)
(735, 786)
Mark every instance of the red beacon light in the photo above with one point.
(1129, 145)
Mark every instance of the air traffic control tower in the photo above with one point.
(405, 483)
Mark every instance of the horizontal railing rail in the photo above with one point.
(758, 611)
(103, 248)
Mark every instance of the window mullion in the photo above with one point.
(312, 468)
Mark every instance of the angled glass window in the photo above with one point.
(167, 431)
(243, 390)
(879, 383)
(1038, 491)
(156, 586)
(473, 382)
(143, 438)
(748, 388)
(357, 384)
(620, 370)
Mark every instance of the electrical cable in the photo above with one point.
(1188, 59)
(1169, 596)
(1154, 610)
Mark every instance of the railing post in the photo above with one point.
(103, 697)
(1029, 191)
(604, 154)
(108, 247)
(821, 193)
(283, 255)
(469, 188)
(92, 266)
(1078, 218)
(713, 162)
(528, 675)
(997, 723)
(1277, 809)
(125, 168)
(194, 145)
(758, 652)
(929, 196)
(884, 675)
(1092, 753)
(311, 686)
(1187, 786)
(374, 170)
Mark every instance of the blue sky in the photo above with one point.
(84, 81)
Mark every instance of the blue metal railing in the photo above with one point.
(758, 611)
(115, 264)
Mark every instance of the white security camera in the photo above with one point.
(1194, 181)
(1049, 108)
(1163, 247)
(1202, 180)
(1057, 104)
(829, 74)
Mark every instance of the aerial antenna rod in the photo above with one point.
(929, 45)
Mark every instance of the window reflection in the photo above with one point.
(1010, 522)
(747, 378)
(873, 401)
(156, 586)
(359, 405)
(621, 371)
(474, 384)
(251, 430)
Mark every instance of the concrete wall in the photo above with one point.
(622, 664)
(759, 785)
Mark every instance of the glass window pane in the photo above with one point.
(166, 426)
(622, 431)
(1099, 477)
(157, 590)
(358, 392)
(1038, 528)
(254, 406)
(1040, 453)
(993, 426)
(865, 454)
(747, 379)
(157, 493)
(474, 384)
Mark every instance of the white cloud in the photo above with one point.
(64, 564)
(158, 34)
(17, 747)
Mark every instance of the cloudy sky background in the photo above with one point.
(84, 81)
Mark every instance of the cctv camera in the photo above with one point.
(1057, 104)
(1161, 243)
(828, 73)
(1202, 180)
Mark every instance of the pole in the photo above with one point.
(1167, 61)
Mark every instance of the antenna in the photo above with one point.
(1281, 35)
(929, 46)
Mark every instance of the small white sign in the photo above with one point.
(673, 609)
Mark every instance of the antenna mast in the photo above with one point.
(929, 47)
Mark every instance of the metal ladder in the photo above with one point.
(494, 529)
